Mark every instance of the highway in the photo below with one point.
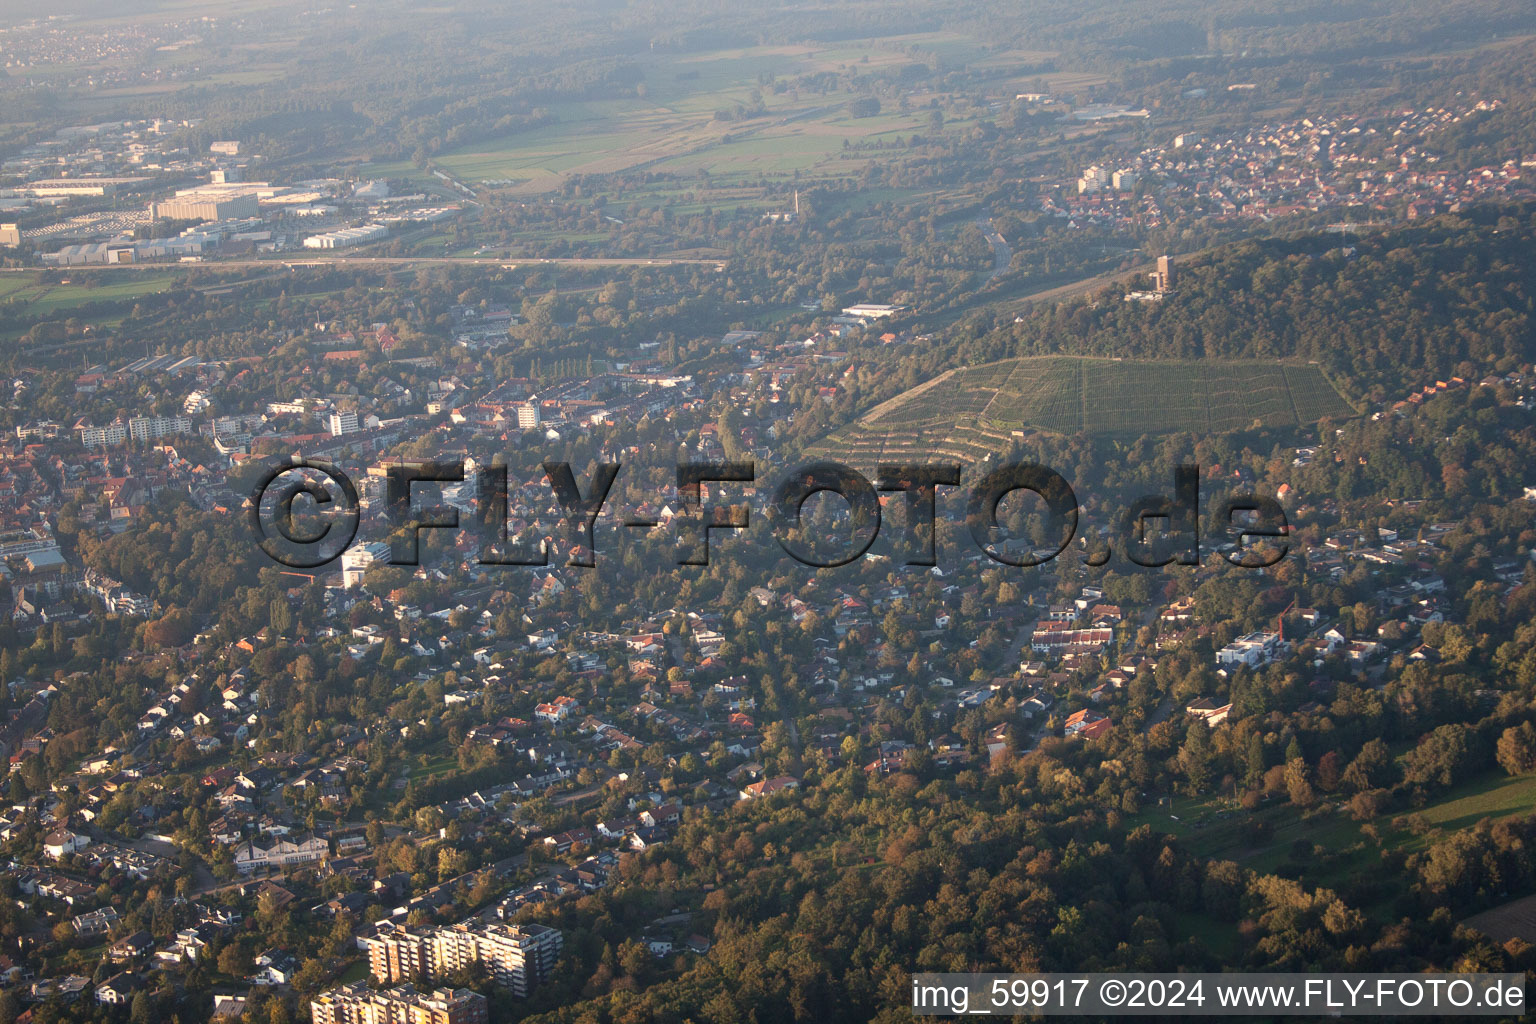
(295, 262)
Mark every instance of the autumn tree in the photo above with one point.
(1516, 751)
(1298, 783)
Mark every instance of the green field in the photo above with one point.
(671, 126)
(1214, 827)
(981, 410)
(23, 299)
(1493, 797)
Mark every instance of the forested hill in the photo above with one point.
(1381, 312)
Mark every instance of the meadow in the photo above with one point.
(1215, 827)
(28, 296)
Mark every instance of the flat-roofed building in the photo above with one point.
(206, 204)
(342, 423)
(872, 310)
(64, 187)
(356, 560)
(104, 437)
(152, 428)
(358, 1004)
(528, 414)
(517, 957)
(37, 430)
(1252, 651)
(344, 238)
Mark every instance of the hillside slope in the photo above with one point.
(971, 412)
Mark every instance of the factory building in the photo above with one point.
(205, 204)
(347, 237)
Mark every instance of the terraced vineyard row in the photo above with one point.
(977, 411)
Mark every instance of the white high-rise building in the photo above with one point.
(1094, 179)
(356, 560)
(104, 437)
(358, 1004)
(342, 423)
(517, 957)
(152, 428)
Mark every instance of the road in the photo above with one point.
(1021, 640)
(582, 794)
(1159, 714)
(1002, 253)
(293, 262)
(1015, 655)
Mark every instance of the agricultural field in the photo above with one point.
(975, 411)
(672, 127)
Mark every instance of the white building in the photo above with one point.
(104, 437)
(298, 408)
(871, 310)
(61, 843)
(1252, 650)
(517, 956)
(37, 430)
(342, 423)
(152, 428)
(356, 560)
(358, 1004)
(280, 854)
(1094, 179)
(346, 237)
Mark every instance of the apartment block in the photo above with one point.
(104, 437)
(357, 1004)
(152, 428)
(518, 957)
(341, 423)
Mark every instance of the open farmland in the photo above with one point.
(980, 410)
(672, 126)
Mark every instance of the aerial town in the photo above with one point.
(202, 786)
(1329, 164)
(791, 500)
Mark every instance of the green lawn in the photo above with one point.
(436, 767)
(1493, 797)
(84, 287)
(1490, 798)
